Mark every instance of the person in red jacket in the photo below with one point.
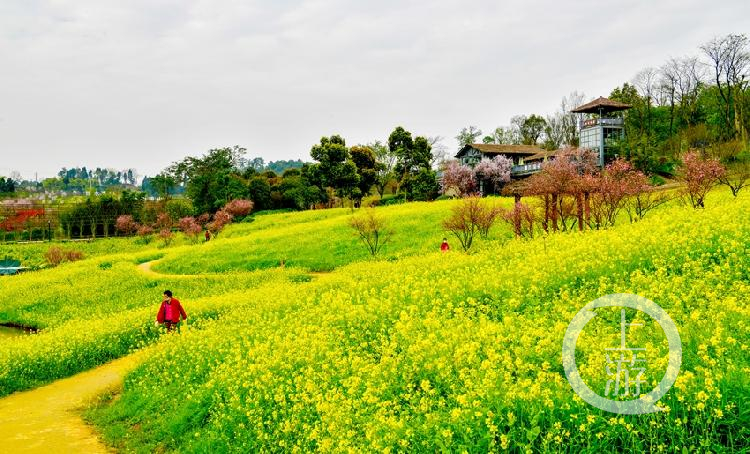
(445, 247)
(171, 311)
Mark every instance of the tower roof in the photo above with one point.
(601, 105)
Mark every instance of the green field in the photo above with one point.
(418, 351)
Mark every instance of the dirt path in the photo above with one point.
(145, 268)
(45, 419)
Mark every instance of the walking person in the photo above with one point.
(170, 312)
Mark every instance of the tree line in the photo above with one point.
(402, 165)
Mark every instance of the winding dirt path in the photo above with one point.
(145, 268)
(46, 419)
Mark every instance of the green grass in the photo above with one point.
(320, 240)
(410, 351)
(407, 348)
(32, 254)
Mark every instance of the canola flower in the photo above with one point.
(458, 353)
(426, 353)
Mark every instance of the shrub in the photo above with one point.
(190, 227)
(468, 217)
(699, 176)
(73, 256)
(178, 208)
(126, 225)
(221, 219)
(145, 232)
(56, 255)
(239, 208)
(166, 236)
(372, 229)
(486, 219)
(163, 221)
(203, 219)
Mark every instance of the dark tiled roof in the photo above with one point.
(540, 156)
(601, 104)
(493, 148)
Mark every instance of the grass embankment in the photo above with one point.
(456, 351)
(319, 240)
(31, 255)
(99, 309)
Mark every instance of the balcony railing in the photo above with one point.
(601, 122)
(524, 169)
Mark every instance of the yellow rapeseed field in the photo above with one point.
(421, 353)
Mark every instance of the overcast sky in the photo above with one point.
(143, 83)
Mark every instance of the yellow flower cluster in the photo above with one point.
(462, 352)
(448, 352)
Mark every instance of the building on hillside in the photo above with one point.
(471, 154)
(600, 129)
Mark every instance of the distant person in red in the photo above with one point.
(170, 312)
(208, 235)
(445, 247)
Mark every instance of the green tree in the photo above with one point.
(424, 185)
(364, 158)
(384, 166)
(213, 179)
(7, 185)
(259, 191)
(468, 136)
(163, 185)
(413, 155)
(531, 129)
(335, 168)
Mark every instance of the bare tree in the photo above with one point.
(737, 175)
(570, 119)
(644, 201)
(468, 217)
(372, 229)
(646, 82)
(730, 61)
(692, 75)
(439, 151)
(669, 75)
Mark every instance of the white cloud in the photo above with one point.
(143, 83)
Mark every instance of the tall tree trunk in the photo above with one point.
(554, 213)
(739, 123)
(587, 207)
(579, 210)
